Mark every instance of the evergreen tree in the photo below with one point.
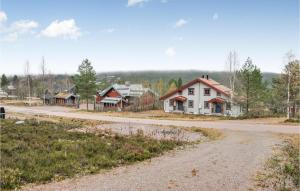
(4, 81)
(179, 83)
(15, 80)
(86, 81)
(251, 91)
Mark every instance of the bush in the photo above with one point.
(40, 152)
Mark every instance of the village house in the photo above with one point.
(201, 96)
(66, 99)
(124, 97)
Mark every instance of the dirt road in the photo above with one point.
(240, 125)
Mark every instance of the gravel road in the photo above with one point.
(240, 125)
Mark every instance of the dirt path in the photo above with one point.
(227, 164)
(241, 125)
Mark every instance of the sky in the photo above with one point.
(130, 35)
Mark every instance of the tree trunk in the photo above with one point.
(87, 104)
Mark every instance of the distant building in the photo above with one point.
(3, 94)
(66, 99)
(124, 97)
(11, 90)
(201, 96)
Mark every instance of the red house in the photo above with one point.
(124, 97)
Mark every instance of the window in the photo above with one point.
(207, 91)
(191, 91)
(190, 103)
(228, 106)
(171, 103)
(206, 105)
(218, 93)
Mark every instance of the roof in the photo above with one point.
(64, 95)
(133, 90)
(209, 82)
(113, 100)
(180, 98)
(216, 100)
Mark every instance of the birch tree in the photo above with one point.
(43, 71)
(27, 75)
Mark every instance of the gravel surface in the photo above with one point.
(153, 131)
(241, 125)
(227, 164)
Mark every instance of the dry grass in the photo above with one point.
(212, 134)
(20, 102)
(158, 114)
(282, 171)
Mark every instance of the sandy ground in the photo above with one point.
(227, 164)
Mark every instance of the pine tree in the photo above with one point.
(4, 81)
(179, 83)
(86, 81)
(251, 87)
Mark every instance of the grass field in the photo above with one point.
(41, 152)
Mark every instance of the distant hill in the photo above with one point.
(153, 76)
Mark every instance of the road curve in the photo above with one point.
(236, 125)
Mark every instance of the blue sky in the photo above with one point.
(122, 35)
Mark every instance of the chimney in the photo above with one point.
(206, 76)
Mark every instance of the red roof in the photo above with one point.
(216, 100)
(179, 98)
(209, 82)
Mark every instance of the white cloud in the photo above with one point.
(132, 3)
(18, 28)
(66, 29)
(24, 26)
(164, 1)
(170, 52)
(180, 23)
(3, 17)
(215, 16)
(108, 30)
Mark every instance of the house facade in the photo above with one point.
(124, 97)
(66, 99)
(201, 96)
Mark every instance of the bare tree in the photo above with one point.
(290, 57)
(232, 66)
(43, 70)
(27, 75)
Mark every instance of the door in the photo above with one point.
(218, 108)
(180, 105)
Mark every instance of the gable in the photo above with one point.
(210, 83)
(112, 93)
